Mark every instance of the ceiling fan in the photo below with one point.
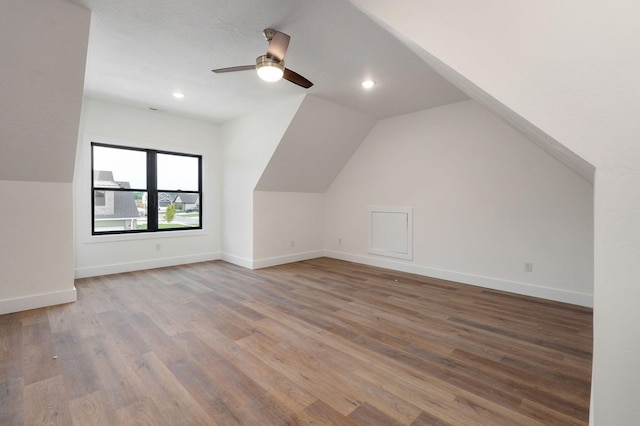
(270, 67)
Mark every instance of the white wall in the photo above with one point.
(486, 200)
(288, 213)
(37, 248)
(288, 226)
(571, 69)
(113, 123)
(43, 46)
(249, 143)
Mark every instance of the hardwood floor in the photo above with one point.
(315, 342)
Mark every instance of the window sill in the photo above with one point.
(90, 239)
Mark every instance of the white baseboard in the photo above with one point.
(35, 301)
(575, 298)
(236, 260)
(281, 260)
(117, 268)
(558, 295)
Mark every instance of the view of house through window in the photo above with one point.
(144, 190)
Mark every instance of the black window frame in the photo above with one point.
(152, 191)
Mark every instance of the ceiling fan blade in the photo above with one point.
(296, 78)
(233, 69)
(278, 46)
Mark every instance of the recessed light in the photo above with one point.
(368, 84)
(178, 95)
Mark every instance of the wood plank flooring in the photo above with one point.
(315, 342)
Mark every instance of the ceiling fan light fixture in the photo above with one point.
(368, 84)
(269, 69)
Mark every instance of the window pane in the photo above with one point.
(113, 168)
(182, 211)
(99, 198)
(177, 172)
(119, 211)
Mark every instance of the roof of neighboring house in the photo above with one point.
(164, 196)
(187, 198)
(124, 203)
(104, 179)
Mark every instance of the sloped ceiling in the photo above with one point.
(409, 22)
(43, 48)
(319, 141)
(141, 51)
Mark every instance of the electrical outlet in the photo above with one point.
(528, 267)
(293, 243)
(158, 247)
(339, 241)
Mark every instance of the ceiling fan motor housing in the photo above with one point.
(269, 33)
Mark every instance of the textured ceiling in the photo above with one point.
(141, 51)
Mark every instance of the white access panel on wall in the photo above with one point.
(391, 231)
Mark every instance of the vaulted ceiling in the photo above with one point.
(142, 51)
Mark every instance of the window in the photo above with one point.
(99, 198)
(144, 190)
